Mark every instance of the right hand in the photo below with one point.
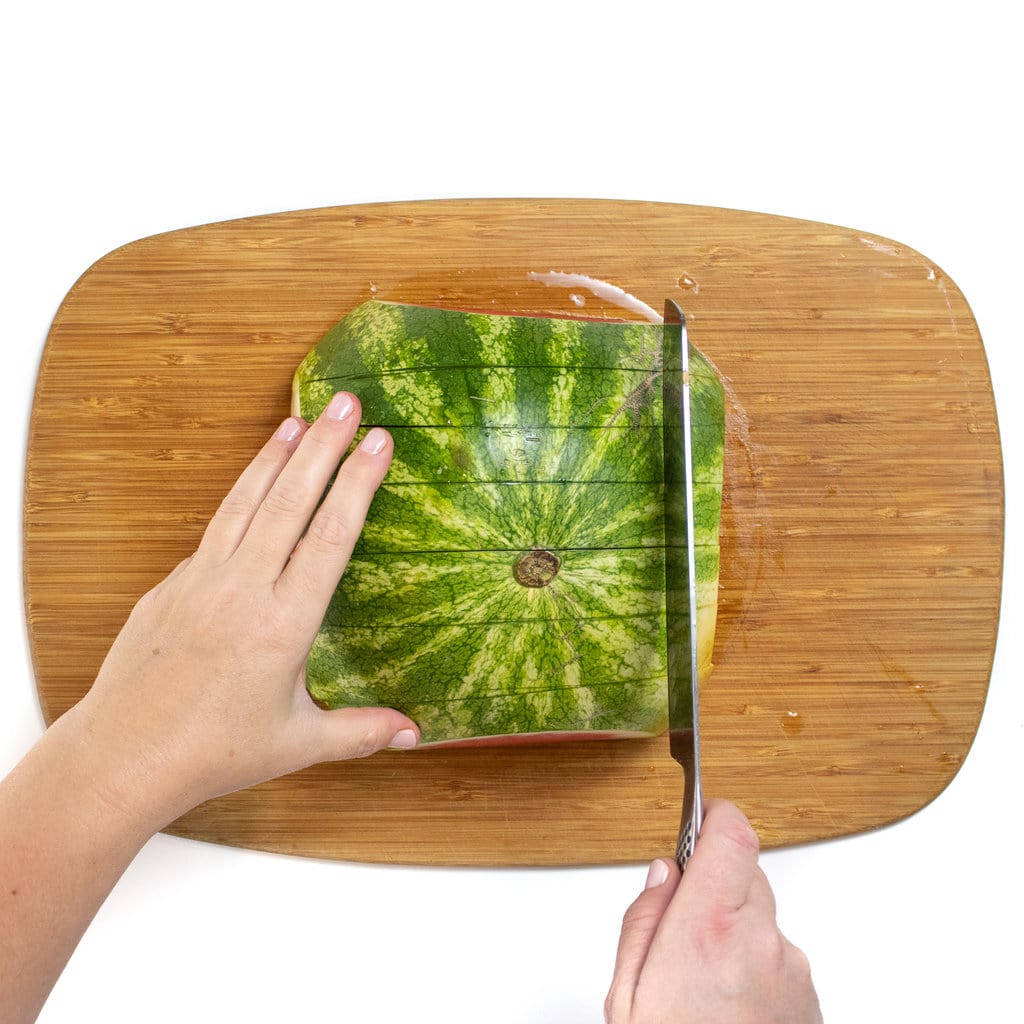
(706, 947)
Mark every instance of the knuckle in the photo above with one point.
(742, 834)
(220, 602)
(799, 964)
(360, 470)
(322, 440)
(612, 1003)
(640, 915)
(238, 506)
(271, 459)
(285, 500)
(365, 741)
(149, 604)
(773, 947)
(329, 530)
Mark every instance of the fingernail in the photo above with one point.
(289, 430)
(339, 406)
(656, 874)
(405, 738)
(374, 441)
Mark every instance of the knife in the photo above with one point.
(680, 575)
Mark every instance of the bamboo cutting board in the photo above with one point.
(861, 531)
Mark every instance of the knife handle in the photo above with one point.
(687, 840)
(693, 808)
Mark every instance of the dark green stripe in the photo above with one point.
(471, 397)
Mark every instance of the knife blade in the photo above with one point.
(680, 575)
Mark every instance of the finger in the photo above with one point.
(359, 732)
(801, 985)
(724, 862)
(639, 927)
(286, 508)
(715, 887)
(319, 561)
(761, 897)
(231, 521)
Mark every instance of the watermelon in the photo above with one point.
(509, 582)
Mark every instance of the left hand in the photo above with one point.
(203, 692)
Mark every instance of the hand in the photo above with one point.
(203, 692)
(706, 948)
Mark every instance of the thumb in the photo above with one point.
(358, 732)
(639, 926)
(724, 862)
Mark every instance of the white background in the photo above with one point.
(903, 119)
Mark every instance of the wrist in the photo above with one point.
(115, 770)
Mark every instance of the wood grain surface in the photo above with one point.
(861, 533)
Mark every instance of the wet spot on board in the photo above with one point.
(792, 723)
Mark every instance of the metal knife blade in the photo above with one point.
(680, 575)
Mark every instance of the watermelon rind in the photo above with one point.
(509, 580)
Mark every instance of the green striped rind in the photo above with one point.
(511, 434)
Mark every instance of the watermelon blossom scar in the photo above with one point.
(537, 568)
(508, 585)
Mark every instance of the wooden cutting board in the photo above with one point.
(861, 534)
